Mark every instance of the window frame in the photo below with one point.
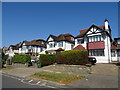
(96, 52)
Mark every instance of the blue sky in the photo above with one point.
(28, 21)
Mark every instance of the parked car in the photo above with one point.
(92, 60)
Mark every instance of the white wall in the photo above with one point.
(107, 51)
(66, 45)
(115, 58)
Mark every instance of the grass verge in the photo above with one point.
(57, 77)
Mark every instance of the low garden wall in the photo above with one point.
(17, 65)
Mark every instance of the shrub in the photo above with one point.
(47, 59)
(21, 58)
(73, 57)
(4, 58)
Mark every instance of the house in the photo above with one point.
(97, 40)
(115, 49)
(60, 43)
(34, 46)
(13, 49)
(5, 49)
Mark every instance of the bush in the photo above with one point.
(47, 59)
(21, 58)
(4, 58)
(73, 57)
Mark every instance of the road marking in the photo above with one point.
(30, 81)
(22, 80)
(38, 82)
(43, 84)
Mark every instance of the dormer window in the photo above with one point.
(72, 38)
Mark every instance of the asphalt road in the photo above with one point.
(15, 82)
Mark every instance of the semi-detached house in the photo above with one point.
(59, 43)
(98, 41)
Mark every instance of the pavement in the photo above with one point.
(101, 75)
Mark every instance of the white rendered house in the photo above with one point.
(60, 43)
(34, 46)
(97, 40)
(115, 50)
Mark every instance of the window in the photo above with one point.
(97, 52)
(72, 46)
(118, 41)
(95, 38)
(41, 49)
(33, 49)
(72, 38)
(55, 44)
(90, 39)
(60, 44)
(50, 45)
(118, 53)
(113, 54)
(23, 48)
(80, 41)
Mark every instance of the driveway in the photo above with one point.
(21, 72)
(102, 76)
(105, 69)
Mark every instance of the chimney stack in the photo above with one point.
(106, 24)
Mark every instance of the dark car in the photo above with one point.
(92, 60)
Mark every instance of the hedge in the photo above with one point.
(47, 59)
(72, 57)
(21, 58)
(4, 58)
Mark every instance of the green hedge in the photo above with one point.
(73, 57)
(47, 59)
(21, 58)
(4, 58)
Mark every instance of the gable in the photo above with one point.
(94, 30)
(23, 43)
(50, 39)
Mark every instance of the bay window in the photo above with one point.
(95, 38)
(96, 52)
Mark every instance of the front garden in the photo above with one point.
(57, 77)
(71, 57)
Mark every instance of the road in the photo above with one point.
(15, 82)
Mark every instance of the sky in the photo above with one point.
(37, 20)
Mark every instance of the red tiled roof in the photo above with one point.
(34, 43)
(5, 48)
(63, 37)
(60, 49)
(83, 31)
(115, 46)
(79, 47)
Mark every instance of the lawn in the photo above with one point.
(57, 77)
